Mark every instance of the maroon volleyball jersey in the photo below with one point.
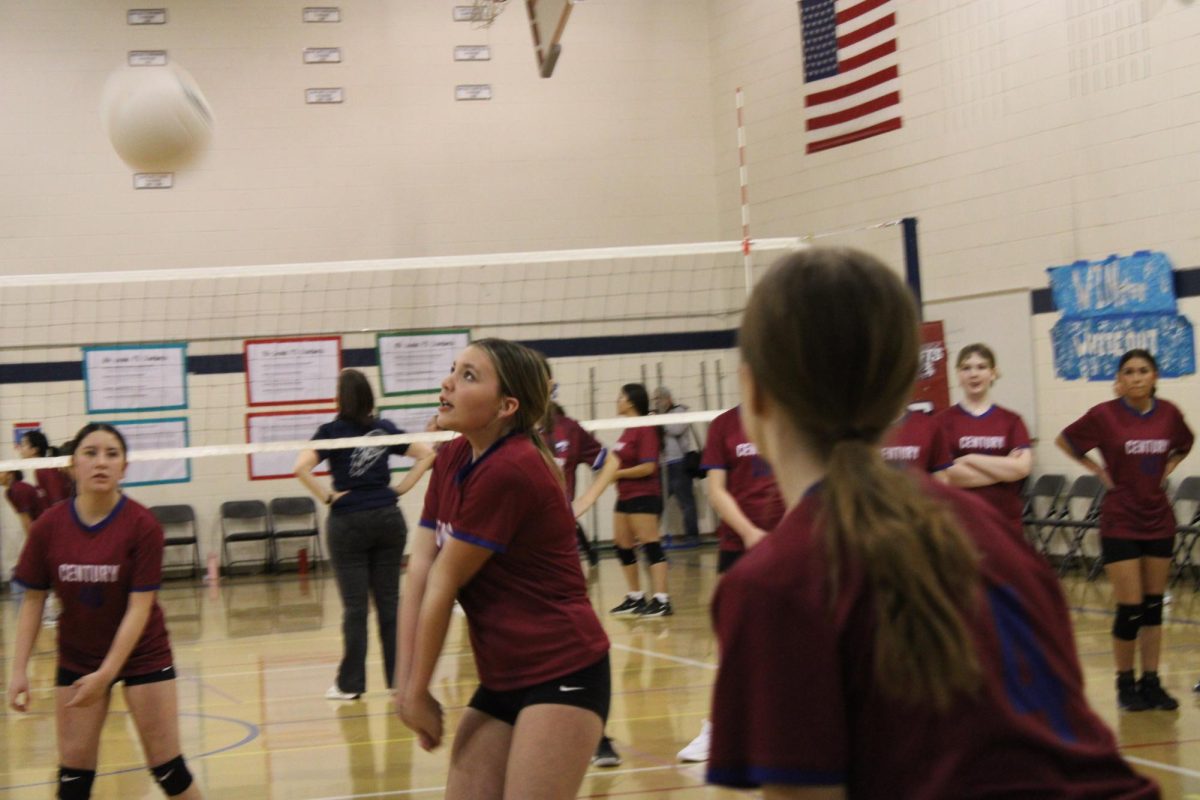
(917, 441)
(638, 446)
(93, 569)
(1135, 448)
(572, 446)
(527, 609)
(53, 484)
(25, 499)
(797, 701)
(748, 478)
(995, 432)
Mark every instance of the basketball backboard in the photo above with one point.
(547, 19)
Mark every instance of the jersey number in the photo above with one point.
(1031, 685)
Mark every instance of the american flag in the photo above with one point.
(851, 69)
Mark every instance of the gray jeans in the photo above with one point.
(366, 547)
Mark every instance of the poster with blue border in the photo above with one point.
(141, 435)
(135, 377)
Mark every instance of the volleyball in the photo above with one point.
(156, 117)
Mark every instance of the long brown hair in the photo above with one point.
(356, 401)
(830, 335)
(524, 374)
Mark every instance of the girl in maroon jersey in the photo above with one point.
(887, 639)
(51, 482)
(102, 553)
(1142, 439)
(639, 507)
(990, 444)
(25, 500)
(498, 533)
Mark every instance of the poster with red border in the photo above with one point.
(282, 426)
(292, 370)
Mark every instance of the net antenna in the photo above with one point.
(486, 13)
(547, 20)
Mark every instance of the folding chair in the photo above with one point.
(1042, 510)
(1186, 505)
(246, 521)
(295, 518)
(1081, 513)
(179, 530)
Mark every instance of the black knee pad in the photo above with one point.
(1152, 609)
(75, 784)
(654, 552)
(626, 556)
(173, 777)
(1129, 619)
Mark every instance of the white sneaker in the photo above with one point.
(697, 749)
(334, 693)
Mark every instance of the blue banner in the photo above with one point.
(1143, 283)
(1090, 348)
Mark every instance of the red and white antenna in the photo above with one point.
(743, 179)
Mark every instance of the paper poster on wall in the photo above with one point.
(415, 363)
(282, 426)
(22, 428)
(147, 377)
(1090, 349)
(298, 370)
(155, 434)
(1143, 283)
(931, 392)
(410, 419)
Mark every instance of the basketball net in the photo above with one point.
(486, 12)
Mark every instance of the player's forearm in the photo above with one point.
(637, 471)
(413, 594)
(137, 613)
(29, 622)
(966, 476)
(1002, 469)
(731, 514)
(601, 482)
(432, 623)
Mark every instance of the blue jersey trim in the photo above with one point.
(427, 523)
(941, 467)
(1073, 446)
(711, 467)
(465, 470)
(463, 536)
(153, 588)
(1139, 414)
(600, 459)
(99, 526)
(45, 588)
(749, 776)
(963, 409)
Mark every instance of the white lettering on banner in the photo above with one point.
(1144, 447)
(88, 573)
(746, 449)
(1103, 286)
(1115, 343)
(981, 443)
(901, 453)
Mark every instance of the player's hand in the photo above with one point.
(423, 715)
(18, 693)
(89, 689)
(1106, 479)
(756, 536)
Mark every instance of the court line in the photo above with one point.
(677, 659)
(1145, 762)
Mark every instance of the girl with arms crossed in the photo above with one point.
(498, 533)
(888, 639)
(102, 554)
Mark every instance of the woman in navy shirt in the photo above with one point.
(366, 531)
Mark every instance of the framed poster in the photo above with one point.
(155, 434)
(415, 363)
(299, 370)
(135, 377)
(410, 419)
(282, 426)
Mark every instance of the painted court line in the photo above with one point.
(677, 659)
(1145, 762)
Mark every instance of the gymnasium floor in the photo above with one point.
(255, 656)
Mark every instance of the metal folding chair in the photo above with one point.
(246, 521)
(1042, 510)
(1186, 505)
(1081, 513)
(295, 518)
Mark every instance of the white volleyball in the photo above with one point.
(156, 117)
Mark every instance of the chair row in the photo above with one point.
(285, 518)
(1054, 511)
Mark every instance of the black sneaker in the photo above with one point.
(1129, 698)
(606, 755)
(630, 605)
(593, 558)
(656, 608)
(1154, 695)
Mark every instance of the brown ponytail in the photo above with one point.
(830, 336)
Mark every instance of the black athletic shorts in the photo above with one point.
(590, 688)
(647, 504)
(1113, 549)
(727, 558)
(66, 677)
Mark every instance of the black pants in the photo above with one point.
(367, 547)
(679, 486)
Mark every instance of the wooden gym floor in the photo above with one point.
(255, 656)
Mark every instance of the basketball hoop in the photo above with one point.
(486, 12)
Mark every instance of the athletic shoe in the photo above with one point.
(630, 605)
(334, 693)
(656, 608)
(697, 749)
(606, 755)
(1129, 698)
(1154, 695)
(593, 558)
